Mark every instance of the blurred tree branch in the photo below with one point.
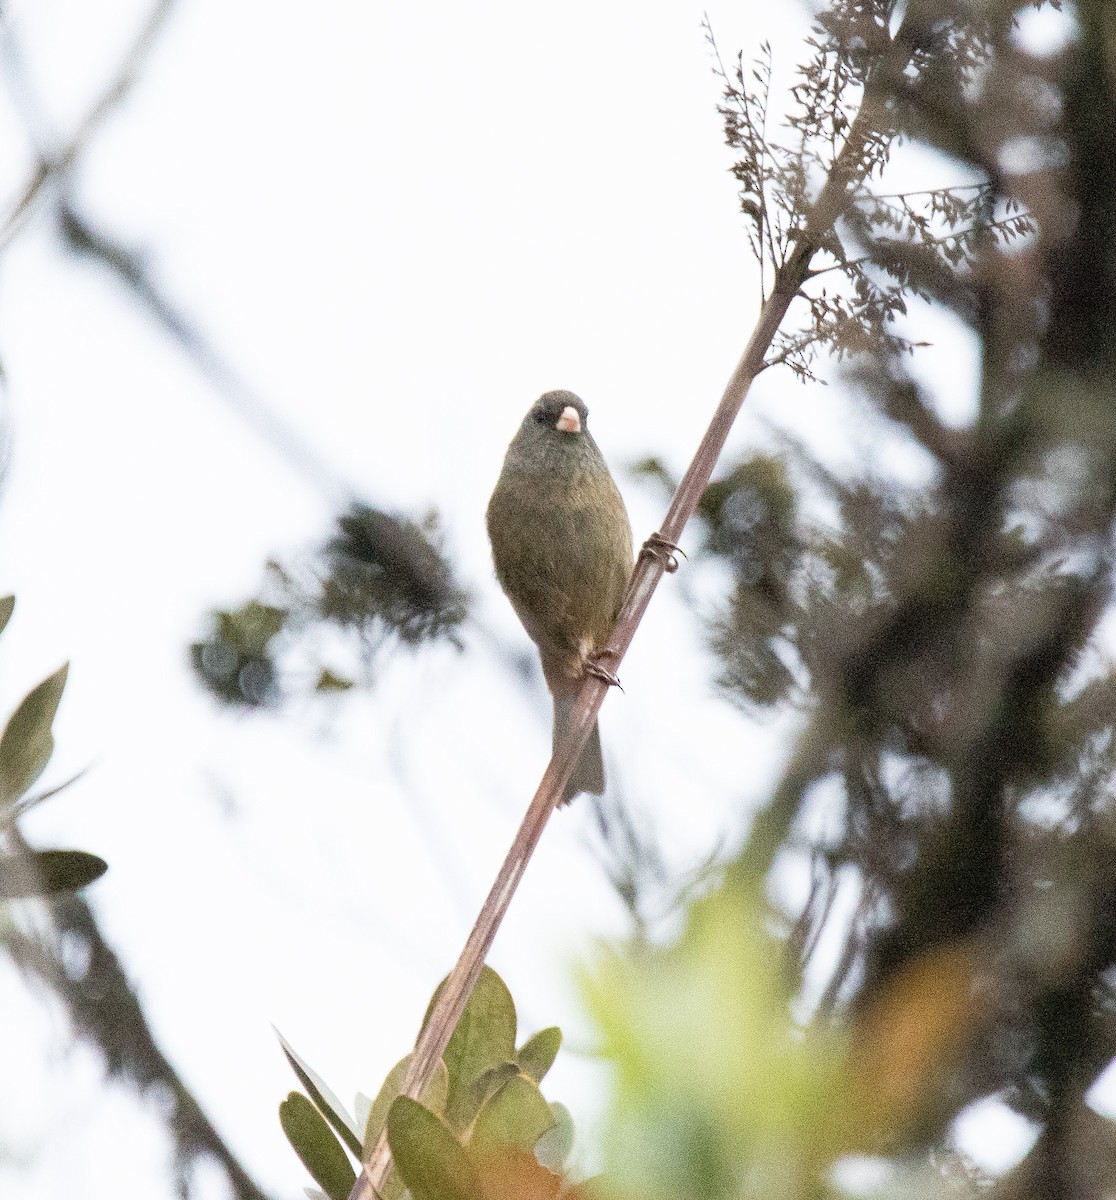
(90, 982)
(951, 637)
(129, 268)
(99, 998)
(55, 165)
(52, 178)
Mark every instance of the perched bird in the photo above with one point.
(562, 545)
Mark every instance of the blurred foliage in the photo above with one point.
(750, 522)
(26, 746)
(481, 1131)
(388, 569)
(235, 663)
(717, 1093)
(379, 580)
(940, 614)
(722, 1093)
(59, 947)
(38, 873)
(68, 956)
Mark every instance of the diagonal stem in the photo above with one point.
(649, 569)
(55, 164)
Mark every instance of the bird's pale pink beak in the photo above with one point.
(569, 421)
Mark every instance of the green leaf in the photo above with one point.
(252, 627)
(7, 604)
(537, 1054)
(330, 681)
(490, 1082)
(433, 1163)
(516, 1116)
(27, 743)
(314, 1142)
(433, 1097)
(553, 1148)
(332, 1108)
(47, 872)
(484, 1039)
(392, 1187)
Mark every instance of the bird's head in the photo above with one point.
(560, 411)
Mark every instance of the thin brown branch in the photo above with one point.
(56, 164)
(649, 569)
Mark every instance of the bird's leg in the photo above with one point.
(666, 552)
(594, 667)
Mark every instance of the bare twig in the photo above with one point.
(56, 164)
(283, 438)
(130, 268)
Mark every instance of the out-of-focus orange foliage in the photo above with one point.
(905, 1042)
(509, 1174)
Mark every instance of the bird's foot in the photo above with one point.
(594, 667)
(666, 552)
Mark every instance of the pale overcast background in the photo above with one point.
(400, 224)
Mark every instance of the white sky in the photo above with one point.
(401, 224)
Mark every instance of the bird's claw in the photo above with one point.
(593, 667)
(666, 552)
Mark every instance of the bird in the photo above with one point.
(562, 549)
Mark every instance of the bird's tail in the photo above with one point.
(588, 773)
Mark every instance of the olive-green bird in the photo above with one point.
(562, 545)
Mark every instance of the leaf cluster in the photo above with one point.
(379, 580)
(480, 1130)
(26, 746)
(950, 800)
